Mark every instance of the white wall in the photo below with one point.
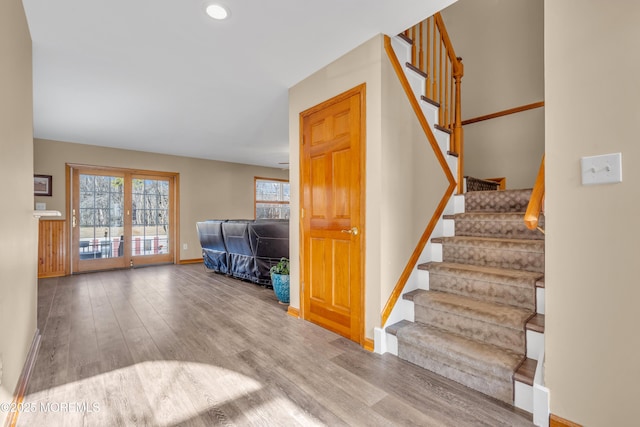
(502, 49)
(592, 107)
(18, 228)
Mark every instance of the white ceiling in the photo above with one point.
(161, 76)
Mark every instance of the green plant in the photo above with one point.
(282, 267)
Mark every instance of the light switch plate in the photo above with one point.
(603, 169)
(41, 206)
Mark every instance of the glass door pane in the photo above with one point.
(100, 217)
(121, 219)
(150, 217)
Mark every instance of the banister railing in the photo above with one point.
(433, 54)
(535, 207)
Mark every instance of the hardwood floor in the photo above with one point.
(174, 345)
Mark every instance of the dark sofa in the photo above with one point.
(244, 249)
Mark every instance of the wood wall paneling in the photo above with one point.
(52, 248)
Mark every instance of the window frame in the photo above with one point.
(271, 202)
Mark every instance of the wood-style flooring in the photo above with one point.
(175, 345)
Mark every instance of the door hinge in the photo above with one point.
(302, 213)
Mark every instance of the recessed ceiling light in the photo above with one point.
(217, 12)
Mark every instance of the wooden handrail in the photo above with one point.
(532, 215)
(503, 113)
(455, 61)
(432, 53)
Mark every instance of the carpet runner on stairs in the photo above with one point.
(470, 325)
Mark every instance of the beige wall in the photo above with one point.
(501, 44)
(362, 65)
(413, 181)
(592, 107)
(403, 182)
(209, 189)
(18, 227)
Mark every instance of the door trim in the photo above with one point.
(360, 91)
(69, 167)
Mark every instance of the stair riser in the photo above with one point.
(500, 336)
(500, 228)
(483, 290)
(443, 139)
(504, 201)
(493, 257)
(401, 48)
(430, 112)
(416, 81)
(535, 344)
(498, 388)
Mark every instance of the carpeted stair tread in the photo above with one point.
(505, 286)
(497, 201)
(497, 324)
(501, 275)
(409, 295)
(393, 329)
(515, 244)
(497, 314)
(471, 325)
(478, 365)
(491, 252)
(505, 225)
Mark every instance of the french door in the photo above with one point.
(121, 218)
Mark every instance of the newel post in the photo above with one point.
(458, 134)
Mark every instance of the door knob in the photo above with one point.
(352, 230)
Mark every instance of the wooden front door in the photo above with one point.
(332, 193)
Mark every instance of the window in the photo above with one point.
(272, 198)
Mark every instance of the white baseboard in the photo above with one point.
(436, 252)
(535, 344)
(541, 410)
(379, 341)
(540, 406)
(449, 228)
(458, 203)
(384, 342)
(523, 396)
(540, 307)
(392, 344)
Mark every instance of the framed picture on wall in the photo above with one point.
(42, 185)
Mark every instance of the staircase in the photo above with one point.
(471, 322)
(477, 315)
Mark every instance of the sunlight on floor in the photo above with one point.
(159, 393)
